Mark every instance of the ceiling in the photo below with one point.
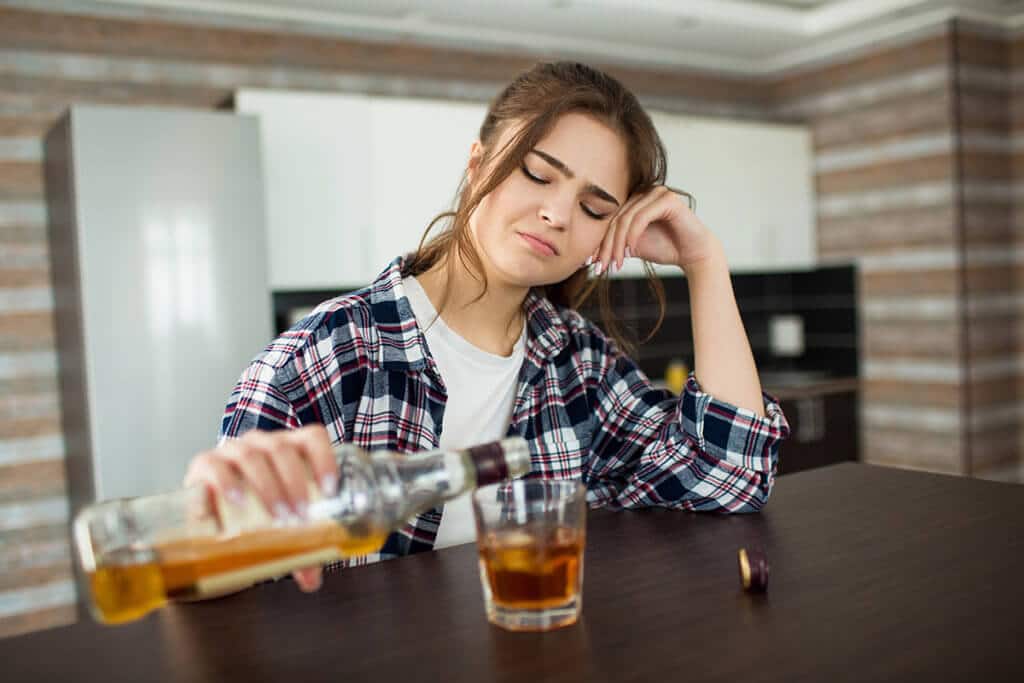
(735, 36)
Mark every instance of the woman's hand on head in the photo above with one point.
(275, 466)
(656, 226)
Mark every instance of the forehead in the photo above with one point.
(591, 149)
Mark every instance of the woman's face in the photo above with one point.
(539, 230)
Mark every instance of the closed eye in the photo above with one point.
(586, 210)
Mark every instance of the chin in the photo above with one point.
(524, 270)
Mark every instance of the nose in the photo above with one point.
(552, 213)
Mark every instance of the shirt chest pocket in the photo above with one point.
(558, 458)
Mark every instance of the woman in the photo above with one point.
(476, 336)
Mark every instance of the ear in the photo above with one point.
(476, 154)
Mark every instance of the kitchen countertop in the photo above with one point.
(821, 386)
(800, 384)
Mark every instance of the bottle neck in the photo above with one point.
(383, 490)
(422, 481)
(416, 483)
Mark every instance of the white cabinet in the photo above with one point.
(753, 183)
(420, 152)
(353, 180)
(317, 165)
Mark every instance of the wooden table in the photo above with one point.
(876, 574)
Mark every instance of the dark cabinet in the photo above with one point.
(823, 431)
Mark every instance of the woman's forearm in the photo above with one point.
(723, 361)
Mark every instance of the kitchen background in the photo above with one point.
(898, 347)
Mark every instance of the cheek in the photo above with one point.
(592, 239)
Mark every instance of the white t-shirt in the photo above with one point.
(481, 392)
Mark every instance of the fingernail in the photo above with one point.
(614, 269)
(281, 512)
(235, 496)
(590, 259)
(628, 253)
(329, 484)
(308, 586)
(600, 267)
(302, 509)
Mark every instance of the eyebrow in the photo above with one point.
(567, 172)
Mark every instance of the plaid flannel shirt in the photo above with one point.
(359, 365)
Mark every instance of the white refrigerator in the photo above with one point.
(159, 261)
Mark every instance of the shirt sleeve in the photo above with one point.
(307, 375)
(257, 402)
(693, 451)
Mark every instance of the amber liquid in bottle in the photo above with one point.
(192, 569)
(532, 568)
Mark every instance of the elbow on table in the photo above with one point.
(757, 497)
(746, 497)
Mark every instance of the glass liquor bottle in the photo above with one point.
(138, 553)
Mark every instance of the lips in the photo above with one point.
(540, 244)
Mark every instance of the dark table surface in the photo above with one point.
(876, 574)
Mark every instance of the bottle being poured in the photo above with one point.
(136, 554)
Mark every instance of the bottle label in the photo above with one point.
(218, 584)
(489, 462)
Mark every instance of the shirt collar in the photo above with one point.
(403, 346)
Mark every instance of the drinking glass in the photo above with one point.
(530, 539)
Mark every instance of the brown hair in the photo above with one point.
(537, 98)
